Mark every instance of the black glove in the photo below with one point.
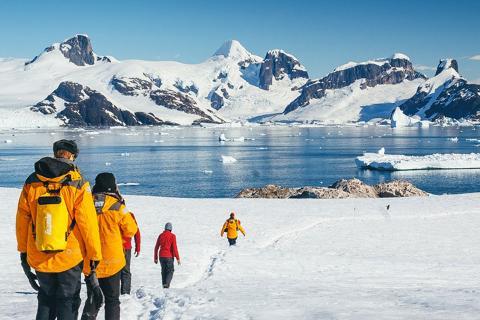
(94, 293)
(32, 277)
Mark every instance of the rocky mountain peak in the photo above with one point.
(444, 64)
(78, 50)
(278, 64)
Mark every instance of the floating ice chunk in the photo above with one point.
(8, 141)
(399, 119)
(381, 151)
(262, 148)
(92, 133)
(8, 159)
(228, 159)
(472, 140)
(207, 171)
(125, 154)
(385, 162)
(158, 141)
(223, 137)
(128, 184)
(108, 164)
(454, 139)
(239, 139)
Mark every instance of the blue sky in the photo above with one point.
(322, 34)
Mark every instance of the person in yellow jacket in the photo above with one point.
(115, 223)
(58, 269)
(231, 227)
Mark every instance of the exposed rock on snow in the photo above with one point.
(278, 65)
(376, 72)
(131, 86)
(445, 95)
(390, 162)
(398, 188)
(182, 102)
(341, 189)
(78, 105)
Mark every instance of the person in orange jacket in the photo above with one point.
(126, 275)
(115, 223)
(57, 271)
(231, 227)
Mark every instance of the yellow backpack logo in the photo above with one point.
(51, 228)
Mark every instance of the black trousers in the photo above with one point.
(58, 295)
(125, 275)
(167, 271)
(111, 291)
(232, 242)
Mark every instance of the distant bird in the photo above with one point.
(388, 207)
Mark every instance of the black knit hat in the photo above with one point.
(67, 145)
(105, 182)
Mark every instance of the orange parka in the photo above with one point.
(231, 226)
(83, 241)
(115, 222)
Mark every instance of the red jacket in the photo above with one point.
(127, 242)
(167, 242)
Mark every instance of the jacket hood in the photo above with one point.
(52, 168)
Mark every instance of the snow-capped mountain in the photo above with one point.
(68, 83)
(356, 91)
(447, 94)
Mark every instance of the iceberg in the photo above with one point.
(437, 161)
(228, 159)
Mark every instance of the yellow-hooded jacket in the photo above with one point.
(83, 241)
(115, 222)
(232, 226)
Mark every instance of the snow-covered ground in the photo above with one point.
(301, 259)
(436, 161)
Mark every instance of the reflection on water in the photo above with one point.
(186, 162)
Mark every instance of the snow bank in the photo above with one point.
(304, 259)
(390, 162)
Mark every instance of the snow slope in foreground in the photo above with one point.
(391, 162)
(301, 259)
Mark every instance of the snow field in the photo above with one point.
(305, 259)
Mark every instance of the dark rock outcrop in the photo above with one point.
(444, 64)
(182, 102)
(388, 71)
(277, 65)
(398, 188)
(78, 50)
(131, 86)
(341, 189)
(455, 98)
(355, 187)
(83, 106)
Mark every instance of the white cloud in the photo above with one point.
(475, 57)
(424, 68)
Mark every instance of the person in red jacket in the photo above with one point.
(167, 245)
(126, 275)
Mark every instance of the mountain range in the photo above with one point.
(69, 84)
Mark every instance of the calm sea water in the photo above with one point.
(186, 162)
